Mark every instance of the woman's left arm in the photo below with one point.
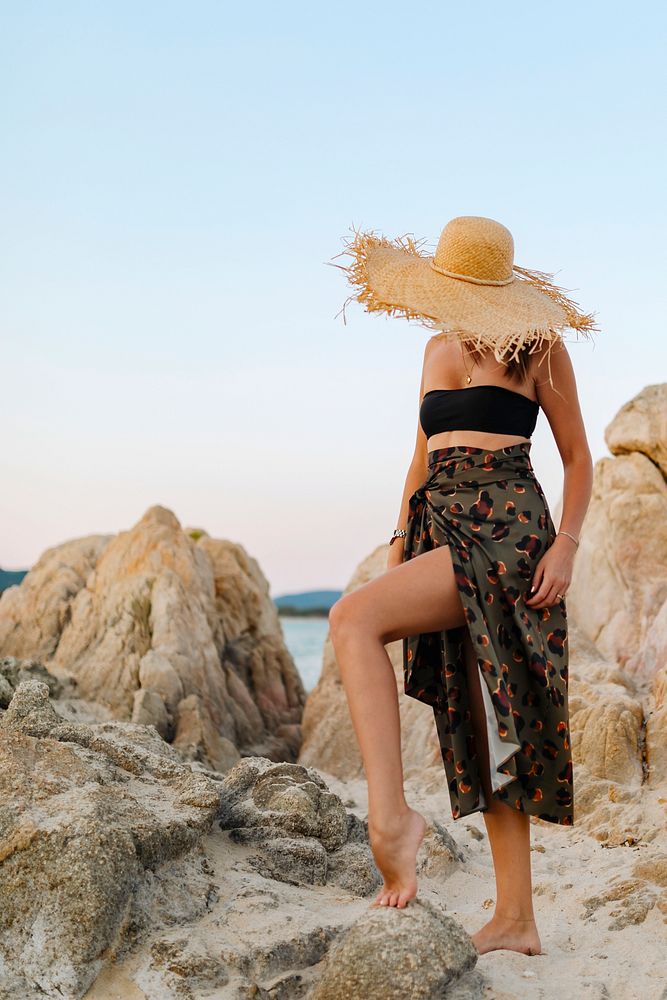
(560, 403)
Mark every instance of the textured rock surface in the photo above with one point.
(618, 594)
(161, 627)
(84, 810)
(619, 588)
(378, 956)
(302, 829)
(641, 426)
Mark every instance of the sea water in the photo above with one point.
(304, 638)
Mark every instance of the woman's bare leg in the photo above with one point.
(513, 923)
(420, 595)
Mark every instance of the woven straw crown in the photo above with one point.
(475, 249)
(470, 288)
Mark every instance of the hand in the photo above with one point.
(395, 554)
(553, 573)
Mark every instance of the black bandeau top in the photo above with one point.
(490, 408)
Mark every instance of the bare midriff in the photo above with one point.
(473, 439)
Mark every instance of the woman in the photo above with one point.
(481, 611)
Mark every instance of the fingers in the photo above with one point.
(547, 593)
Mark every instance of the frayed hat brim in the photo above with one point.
(395, 277)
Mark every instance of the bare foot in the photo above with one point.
(508, 932)
(395, 847)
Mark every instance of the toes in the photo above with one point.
(380, 899)
(381, 893)
(392, 897)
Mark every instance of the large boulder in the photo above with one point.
(618, 593)
(378, 956)
(169, 628)
(84, 811)
(641, 426)
(619, 589)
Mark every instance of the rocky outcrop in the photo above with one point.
(110, 855)
(618, 594)
(165, 628)
(84, 810)
(619, 590)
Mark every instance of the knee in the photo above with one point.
(344, 618)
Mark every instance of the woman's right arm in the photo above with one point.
(417, 472)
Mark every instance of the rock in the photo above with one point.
(390, 954)
(157, 673)
(641, 426)
(30, 711)
(14, 670)
(197, 739)
(618, 597)
(6, 692)
(181, 616)
(302, 828)
(149, 710)
(619, 586)
(606, 717)
(656, 729)
(84, 810)
(285, 798)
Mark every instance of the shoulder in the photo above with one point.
(439, 343)
(551, 357)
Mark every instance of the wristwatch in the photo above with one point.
(398, 533)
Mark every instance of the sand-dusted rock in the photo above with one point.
(305, 835)
(606, 716)
(153, 609)
(638, 895)
(84, 810)
(390, 954)
(283, 799)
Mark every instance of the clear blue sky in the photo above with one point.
(173, 178)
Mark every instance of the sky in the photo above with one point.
(174, 179)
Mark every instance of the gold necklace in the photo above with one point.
(468, 376)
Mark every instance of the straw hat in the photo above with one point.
(470, 288)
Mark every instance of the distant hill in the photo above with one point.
(308, 603)
(8, 577)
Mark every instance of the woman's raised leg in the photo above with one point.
(418, 596)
